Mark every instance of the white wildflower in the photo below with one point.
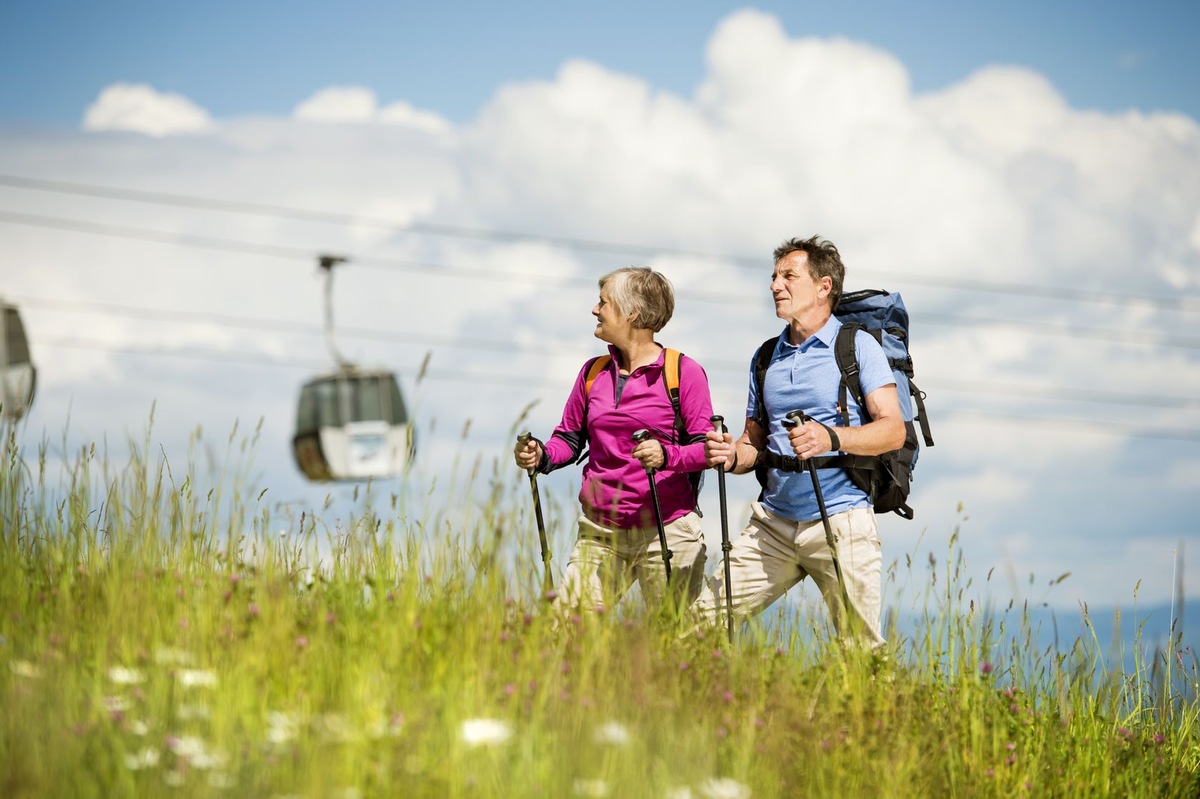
(724, 788)
(595, 789)
(166, 656)
(196, 678)
(174, 778)
(23, 668)
(281, 728)
(123, 676)
(186, 746)
(139, 728)
(682, 792)
(485, 732)
(193, 713)
(196, 752)
(348, 793)
(208, 759)
(334, 728)
(147, 758)
(612, 732)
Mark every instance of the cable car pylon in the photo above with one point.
(351, 424)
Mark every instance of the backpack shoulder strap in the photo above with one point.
(847, 361)
(671, 367)
(762, 359)
(595, 367)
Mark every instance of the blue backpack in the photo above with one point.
(885, 478)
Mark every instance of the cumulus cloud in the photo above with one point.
(406, 115)
(358, 104)
(139, 108)
(339, 104)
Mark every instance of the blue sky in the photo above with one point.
(958, 153)
(238, 58)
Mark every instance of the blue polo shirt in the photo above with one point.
(807, 378)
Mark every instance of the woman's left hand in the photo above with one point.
(650, 453)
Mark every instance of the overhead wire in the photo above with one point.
(492, 344)
(308, 256)
(474, 343)
(1184, 303)
(523, 381)
(1140, 337)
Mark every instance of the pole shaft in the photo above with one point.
(547, 578)
(726, 546)
(799, 417)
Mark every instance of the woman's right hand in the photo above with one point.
(527, 455)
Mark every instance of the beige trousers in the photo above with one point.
(773, 553)
(606, 561)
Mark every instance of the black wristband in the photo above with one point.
(733, 465)
(835, 445)
(543, 464)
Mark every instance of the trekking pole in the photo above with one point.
(547, 578)
(718, 423)
(797, 418)
(642, 435)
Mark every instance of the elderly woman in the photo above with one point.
(612, 398)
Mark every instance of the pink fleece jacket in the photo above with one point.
(615, 489)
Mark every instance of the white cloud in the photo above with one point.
(140, 108)
(359, 105)
(405, 115)
(339, 104)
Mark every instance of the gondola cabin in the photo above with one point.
(352, 425)
(18, 377)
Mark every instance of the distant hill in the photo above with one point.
(1125, 635)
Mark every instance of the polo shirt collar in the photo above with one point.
(826, 335)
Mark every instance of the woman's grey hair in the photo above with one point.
(641, 293)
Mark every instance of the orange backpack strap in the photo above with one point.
(671, 363)
(671, 360)
(598, 365)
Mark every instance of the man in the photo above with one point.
(785, 541)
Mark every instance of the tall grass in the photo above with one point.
(167, 632)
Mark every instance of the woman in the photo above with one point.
(618, 540)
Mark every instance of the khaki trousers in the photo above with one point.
(606, 561)
(773, 553)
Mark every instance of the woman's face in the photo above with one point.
(611, 324)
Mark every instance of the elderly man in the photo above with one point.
(785, 539)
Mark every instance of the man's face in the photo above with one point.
(793, 288)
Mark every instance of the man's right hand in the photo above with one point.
(718, 449)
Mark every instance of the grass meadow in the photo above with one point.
(167, 631)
